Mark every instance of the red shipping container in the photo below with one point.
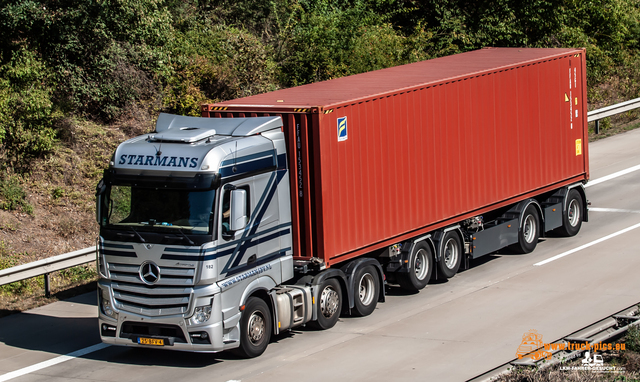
(383, 156)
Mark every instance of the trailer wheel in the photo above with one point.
(529, 231)
(420, 268)
(329, 304)
(451, 254)
(572, 216)
(255, 328)
(367, 291)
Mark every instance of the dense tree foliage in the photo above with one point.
(106, 59)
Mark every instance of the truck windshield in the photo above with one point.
(158, 209)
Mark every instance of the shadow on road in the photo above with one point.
(59, 329)
(39, 332)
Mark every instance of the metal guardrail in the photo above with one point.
(597, 115)
(46, 266)
(605, 331)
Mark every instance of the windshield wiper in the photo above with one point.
(186, 237)
(142, 240)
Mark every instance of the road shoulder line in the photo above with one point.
(52, 362)
(612, 176)
(587, 245)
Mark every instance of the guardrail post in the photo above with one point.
(47, 289)
(597, 126)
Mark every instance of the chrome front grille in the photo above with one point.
(170, 295)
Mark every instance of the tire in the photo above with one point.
(329, 305)
(529, 231)
(366, 291)
(450, 255)
(420, 268)
(255, 328)
(572, 215)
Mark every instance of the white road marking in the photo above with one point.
(612, 176)
(587, 245)
(51, 362)
(596, 209)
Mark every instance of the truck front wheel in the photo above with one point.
(329, 304)
(255, 329)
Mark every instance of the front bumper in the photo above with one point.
(174, 331)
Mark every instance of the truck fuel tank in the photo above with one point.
(294, 306)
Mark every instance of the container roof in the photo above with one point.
(391, 80)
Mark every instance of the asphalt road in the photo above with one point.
(451, 331)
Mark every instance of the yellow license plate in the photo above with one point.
(150, 341)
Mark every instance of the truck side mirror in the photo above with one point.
(100, 190)
(238, 217)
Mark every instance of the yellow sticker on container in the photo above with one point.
(566, 97)
(576, 100)
(578, 147)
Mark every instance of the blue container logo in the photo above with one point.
(342, 129)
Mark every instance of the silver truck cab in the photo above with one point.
(194, 218)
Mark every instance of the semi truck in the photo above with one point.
(297, 206)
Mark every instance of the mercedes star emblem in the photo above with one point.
(149, 272)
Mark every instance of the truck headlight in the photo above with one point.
(105, 305)
(201, 315)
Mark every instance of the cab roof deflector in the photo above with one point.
(237, 127)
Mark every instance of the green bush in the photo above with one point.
(102, 54)
(27, 111)
(13, 196)
(333, 38)
(632, 340)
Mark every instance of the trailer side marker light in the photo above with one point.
(279, 326)
(406, 261)
(554, 210)
(313, 300)
(509, 226)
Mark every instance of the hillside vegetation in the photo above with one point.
(77, 77)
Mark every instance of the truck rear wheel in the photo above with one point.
(451, 254)
(420, 267)
(329, 304)
(367, 291)
(529, 231)
(255, 328)
(572, 215)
